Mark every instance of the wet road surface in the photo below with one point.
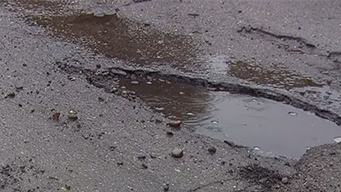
(116, 135)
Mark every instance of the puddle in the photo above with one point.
(278, 77)
(272, 128)
(122, 39)
(174, 100)
(138, 43)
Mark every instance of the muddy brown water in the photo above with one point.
(122, 39)
(271, 128)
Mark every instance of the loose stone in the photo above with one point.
(285, 180)
(212, 150)
(177, 153)
(72, 115)
(174, 123)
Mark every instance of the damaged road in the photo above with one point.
(117, 142)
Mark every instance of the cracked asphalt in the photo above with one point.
(120, 144)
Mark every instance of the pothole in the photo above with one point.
(271, 128)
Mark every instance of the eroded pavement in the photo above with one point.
(62, 56)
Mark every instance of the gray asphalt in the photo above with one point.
(121, 145)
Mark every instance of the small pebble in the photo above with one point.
(144, 166)
(256, 148)
(113, 90)
(285, 180)
(177, 153)
(71, 78)
(19, 88)
(214, 122)
(56, 116)
(212, 150)
(141, 157)
(159, 108)
(292, 113)
(337, 139)
(174, 123)
(166, 187)
(9, 95)
(153, 156)
(99, 14)
(134, 82)
(72, 115)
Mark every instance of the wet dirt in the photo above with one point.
(122, 39)
(277, 77)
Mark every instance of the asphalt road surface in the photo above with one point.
(49, 69)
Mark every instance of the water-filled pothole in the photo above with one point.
(272, 128)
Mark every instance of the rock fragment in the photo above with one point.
(72, 115)
(177, 153)
(212, 150)
(174, 123)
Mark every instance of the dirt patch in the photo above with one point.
(18, 173)
(260, 175)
